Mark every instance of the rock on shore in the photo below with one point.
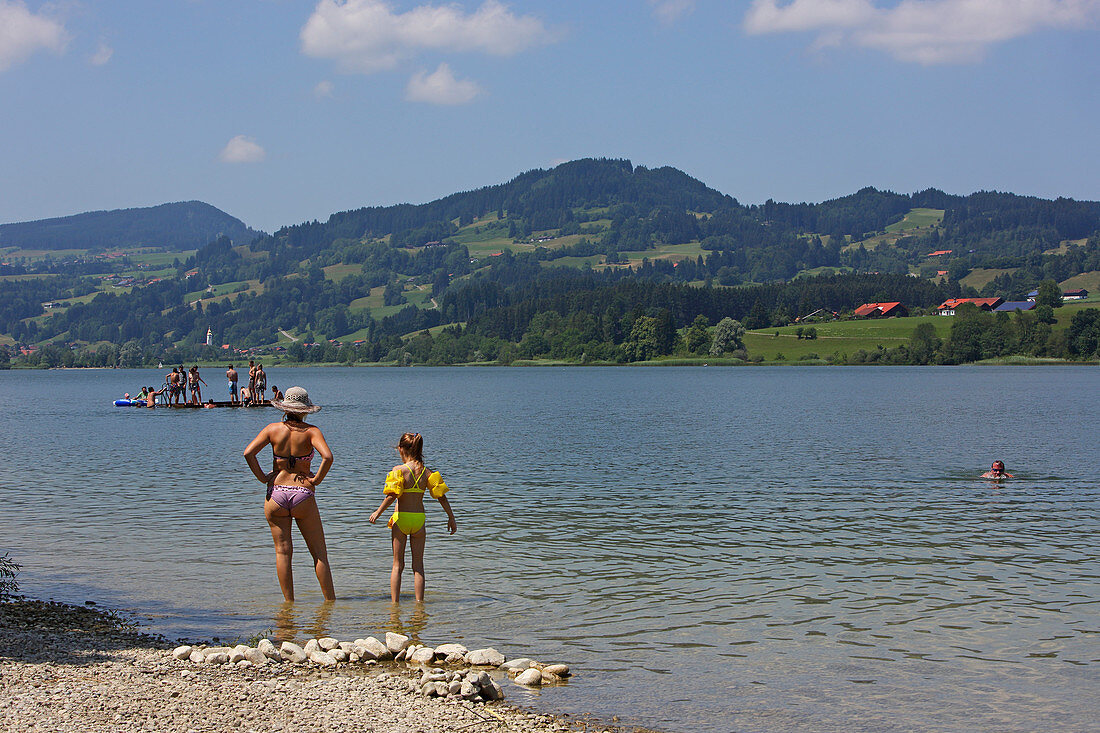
(65, 668)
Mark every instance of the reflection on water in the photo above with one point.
(709, 549)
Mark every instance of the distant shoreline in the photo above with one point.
(673, 362)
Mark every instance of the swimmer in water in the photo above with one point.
(997, 471)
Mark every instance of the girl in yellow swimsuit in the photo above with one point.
(406, 483)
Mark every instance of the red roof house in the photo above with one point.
(947, 307)
(881, 310)
(939, 252)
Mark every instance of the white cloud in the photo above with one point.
(102, 55)
(323, 89)
(368, 35)
(922, 31)
(441, 87)
(242, 149)
(22, 33)
(670, 11)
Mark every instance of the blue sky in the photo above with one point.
(282, 111)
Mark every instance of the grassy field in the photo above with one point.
(1064, 246)
(218, 293)
(840, 336)
(851, 336)
(979, 278)
(917, 219)
(17, 278)
(1090, 281)
(418, 295)
(336, 273)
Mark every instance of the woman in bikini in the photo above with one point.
(407, 483)
(291, 485)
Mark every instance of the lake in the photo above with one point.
(710, 549)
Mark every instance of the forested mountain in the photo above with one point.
(591, 260)
(176, 227)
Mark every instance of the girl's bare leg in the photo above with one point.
(284, 549)
(417, 545)
(398, 538)
(309, 524)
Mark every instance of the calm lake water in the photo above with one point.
(711, 549)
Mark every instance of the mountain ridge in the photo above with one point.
(175, 226)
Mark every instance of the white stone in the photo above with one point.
(547, 677)
(196, 656)
(468, 689)
(291, 652)
(530, 678)
(558, 670)
(396, 642)
(347, 646)
(256, 656)
(400, 655)
(338, 654)
(245, 663)
(445, 649)
(423, 655)
(236, 656)
(182, 652)
(322, 658)
(268, 648)
(311, 646)
(485, 657)
(217, 658)
(328, 643)
(353, 657)
(453, 658)
(521, 664)
(454, 688)
(375, 649)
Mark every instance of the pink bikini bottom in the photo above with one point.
(289, 497)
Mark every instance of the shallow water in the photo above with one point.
(711, 549)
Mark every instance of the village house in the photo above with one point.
(881, 310)
(1015, 305)
(1076, 294)
(947, 307)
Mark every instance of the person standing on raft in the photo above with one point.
(407, 483)
(291, 487)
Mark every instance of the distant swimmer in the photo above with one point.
(997, 471)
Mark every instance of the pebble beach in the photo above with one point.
(65, 668)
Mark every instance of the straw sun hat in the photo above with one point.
(296, 401)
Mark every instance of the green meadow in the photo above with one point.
(917, 219)
(848, 337)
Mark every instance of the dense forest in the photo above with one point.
(587, 270)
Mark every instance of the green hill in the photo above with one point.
(561, 263)
(175, 227)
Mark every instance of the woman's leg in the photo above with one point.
(398, 538)
(416, 542)
(309, 524)
(279, 521)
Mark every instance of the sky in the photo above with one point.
(284, 111)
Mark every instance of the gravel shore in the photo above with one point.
(68, 668)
